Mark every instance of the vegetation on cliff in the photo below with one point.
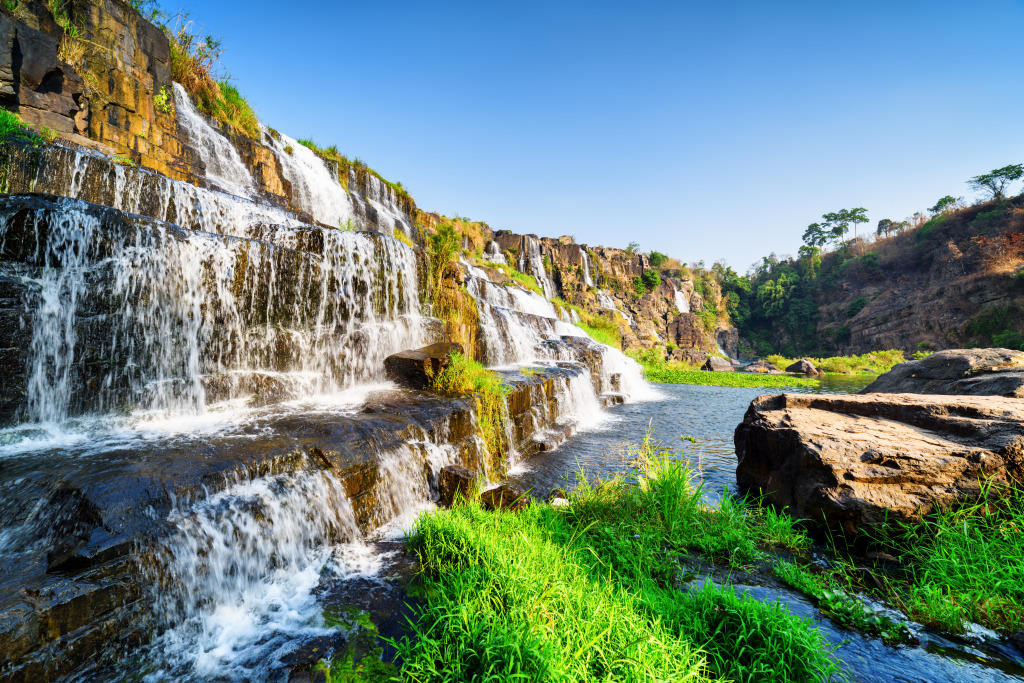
(816, 302)
(600, 590)
(874, 362)
(463, 376)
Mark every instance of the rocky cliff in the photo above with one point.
(114, 94)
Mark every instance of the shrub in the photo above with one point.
(1009, 340)
(856, 306)
(651, 280)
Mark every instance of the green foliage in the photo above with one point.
(856, 306)
(988, 323)
(400, 235)
(632, 249)
(442, 253)
(1008, 340)
(12, 128)
(592, 592)
(670, 375)
(657, 258)
(651, 280)
(164, 101)
(842, 334)
(233, 109)
(464, 376)
(870, 263)
(638, 287)
(965, 563)
(838, 605)
(946, 204)
(996, 181)
(603, 331)
(873, 362)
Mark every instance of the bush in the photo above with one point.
(1009, 340)
(855, 307)
(657, 258)
(651, 280)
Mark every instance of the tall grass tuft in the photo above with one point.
(464, 376)
(596, 591)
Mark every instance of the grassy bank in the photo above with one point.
(668, 374)
(599, 590)
(875, 362)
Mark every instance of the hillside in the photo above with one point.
(954, 280)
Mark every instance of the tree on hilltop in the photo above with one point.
(996, 181)
(946, 204)
(839, 222)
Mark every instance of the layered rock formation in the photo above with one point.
(854, 462)
(976, 372)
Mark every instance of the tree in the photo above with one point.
(885, 226)
(631, 249)
(839, 222)
(946, 204)
(816, 235)
(997, 180)
(657, 258)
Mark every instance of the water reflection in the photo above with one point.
(709, 414)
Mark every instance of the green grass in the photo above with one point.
(12, 127)
(464, 376)
(669, 375)
(603, 331)
(873, 362)
(598, 592)
(965, 565)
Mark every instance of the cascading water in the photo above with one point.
(587, 267)
(224, 167)
(532, 262)
(682, 302)
(185, 311)
(315, 187)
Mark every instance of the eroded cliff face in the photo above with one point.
(118, 98)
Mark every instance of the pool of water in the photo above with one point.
(708, 414)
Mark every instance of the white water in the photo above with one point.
(315, 187)
(185, 309)
(492, 253)
(682, 302)
(224, 167)
(531, 261)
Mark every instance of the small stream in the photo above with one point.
(710, 414)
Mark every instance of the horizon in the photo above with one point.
(597, 123)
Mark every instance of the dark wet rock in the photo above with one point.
(504, 497)
(857, 461)
(804, 367)
(975, 372)
(763, 367)
(717, 364)
(453, 481)
(1017, 640)
(417, 367)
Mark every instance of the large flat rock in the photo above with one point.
(853, 461)
(974, 372)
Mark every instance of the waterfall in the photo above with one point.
(224, 166)
(315, 186)
(532, 262)
(682, 302)
(492, 253)
(186, 312)
(587, 279)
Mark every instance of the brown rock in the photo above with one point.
(975, 372)
(454, 481)
(855, 461)
(415, 368)
(717, 364)
(504, 497)
(763, 367)
(804, 367)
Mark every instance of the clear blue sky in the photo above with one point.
(705, 130)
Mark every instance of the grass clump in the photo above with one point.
(965, 564)
(14, 129)
(400, 235)
(602, 330)
(464, 376)
(597, 591)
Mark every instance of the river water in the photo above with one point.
(710, 414)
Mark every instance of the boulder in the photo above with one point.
(717, 364)
(763, 367)
(974, 372)
(804, 367)
(853, 461)
(453, 481)
(504, 497)
(415, 368)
